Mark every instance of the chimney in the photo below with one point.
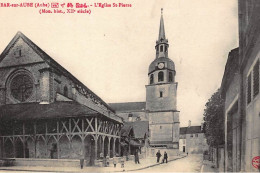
(189, 123)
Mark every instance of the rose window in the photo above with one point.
(21, 87)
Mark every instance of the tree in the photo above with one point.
(214, 120)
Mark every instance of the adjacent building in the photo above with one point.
(240, 88)
(192, 140)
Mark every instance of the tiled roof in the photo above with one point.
(231, 68)
(190, 130)
(128, 106)
(140, 129)
(27, 111)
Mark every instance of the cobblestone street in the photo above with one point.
(192, 163)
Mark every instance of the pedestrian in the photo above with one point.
(165, 157)
(122, 162)
(158, 155)
(136, 157)
(81, 161)
(114, 161)
(107, 161)
(187, 153)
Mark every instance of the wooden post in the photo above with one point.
(108, 151)
(82, 124)
(83, 138)
(119, 145)
(96, 137)
(13, 141)
(103, 148)
(58, 135)
(23, 140)
(96, 143)
(70, 135)
(35, 139)
(46, 138)
(114, 146)
(3, 147)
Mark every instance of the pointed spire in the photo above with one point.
(161, 30)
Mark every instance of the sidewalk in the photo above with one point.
(129, 166)
(208, 166)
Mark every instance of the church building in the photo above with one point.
(160, 108)
(47, 113)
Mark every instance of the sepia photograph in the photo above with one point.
(129, 86)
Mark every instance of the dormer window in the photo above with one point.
(160, 76)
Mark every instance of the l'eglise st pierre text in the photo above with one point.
(103, 5)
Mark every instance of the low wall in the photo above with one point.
(47, 162)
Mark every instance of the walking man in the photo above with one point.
(136, 157)
(158, 155)
(165, 157)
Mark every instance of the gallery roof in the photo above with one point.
(61, 109)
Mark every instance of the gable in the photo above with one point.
(20, 54)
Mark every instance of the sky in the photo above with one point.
(111, 49)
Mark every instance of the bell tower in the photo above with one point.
(161, 96)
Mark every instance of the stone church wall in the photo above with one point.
(156, 103)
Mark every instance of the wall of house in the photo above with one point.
(196, 145)
(232, 125)
(251, 135)
(182, 144)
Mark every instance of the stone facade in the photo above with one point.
(160, 108)
(47, 113)
(241, 93)
(161, 97)
(192, 140)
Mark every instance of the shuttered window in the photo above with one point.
(256, 78)
(249, 89)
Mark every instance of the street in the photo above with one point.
(192, 163)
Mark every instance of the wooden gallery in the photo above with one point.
(46, 113)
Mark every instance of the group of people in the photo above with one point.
(165, 157)
(122, 161)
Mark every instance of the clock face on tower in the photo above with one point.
(160, 65)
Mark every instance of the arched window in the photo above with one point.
(151, 79)
(165, 48)
(170, 77)
(160, 76)
(161, 48)
(65, 91)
